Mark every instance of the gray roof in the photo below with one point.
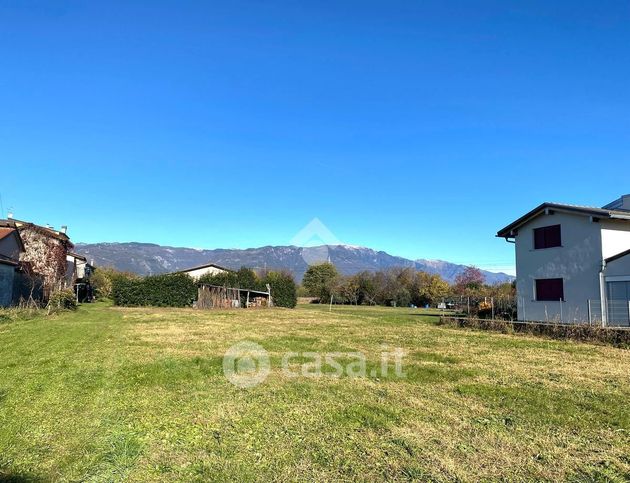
(580, 210)
(618, 256)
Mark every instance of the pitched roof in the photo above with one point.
(616, 257)
(19, 224)
(77, 256)
(6, 232)
(207, 265)
(580, 210)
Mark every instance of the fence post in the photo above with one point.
(492, 303)
(590, 313)
(561, 315)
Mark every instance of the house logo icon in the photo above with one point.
(315, 239)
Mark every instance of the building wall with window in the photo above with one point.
(577, 261)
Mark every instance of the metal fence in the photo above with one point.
(506, 308)
(486, 307)
(618, 313)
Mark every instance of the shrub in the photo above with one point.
(615, 336)
(62, 300)
(171, 290)
(19, 313)
(283, 289)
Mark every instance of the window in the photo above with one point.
(547, 237)
(550, 289)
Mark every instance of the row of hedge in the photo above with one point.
(618, 337)
(172, 290)
(179, 290)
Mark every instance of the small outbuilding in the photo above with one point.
(217, 297)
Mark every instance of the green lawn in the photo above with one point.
(139, 394)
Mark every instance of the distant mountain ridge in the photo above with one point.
(148, 259)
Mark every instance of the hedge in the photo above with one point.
(179, 290)
(615, 336)
(172, 290)
(283, 289)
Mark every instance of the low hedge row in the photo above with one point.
(617, 337)
(172, 290)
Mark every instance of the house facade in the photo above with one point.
(45, 253)
(78, 275)
(78, 270)
(573, 263)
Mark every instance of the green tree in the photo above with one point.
(320, 280)
(283, 288)
(429, 289)
(102, 280)
(367, 288)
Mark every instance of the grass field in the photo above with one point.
(108, 394)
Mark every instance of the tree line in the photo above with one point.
(399, 286)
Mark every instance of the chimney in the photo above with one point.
(10, 215)
(64, 229)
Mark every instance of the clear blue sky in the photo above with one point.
(419, 128)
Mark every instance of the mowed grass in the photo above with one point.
(107, 394)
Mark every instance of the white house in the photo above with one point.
(201, 270)
(573, 263)
(77, 268)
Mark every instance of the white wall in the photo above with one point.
(196, 274)
(577, 261)
(615, 237)
(71, 267)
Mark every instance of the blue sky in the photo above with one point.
(418, 128)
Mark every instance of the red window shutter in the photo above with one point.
(550, 289)
(552, 236)
(539, 238)
(547, 237)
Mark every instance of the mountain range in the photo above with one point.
(149, 259)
